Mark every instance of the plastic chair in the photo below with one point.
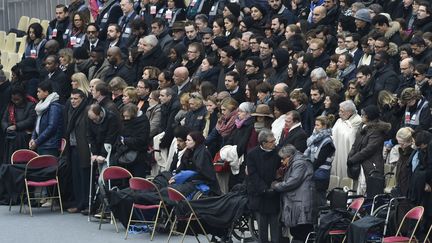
(23, 23)
(33, 20)
(145, 185)
(22, 46)
(334, 182)
(10, 43)
(112, 173)
(41, 162)
(354, 206)
(4, 58)
(45, 24)
(2, 38)
(178, 197)
(13, 59)
(416, 214)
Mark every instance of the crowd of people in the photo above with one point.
(279, 95)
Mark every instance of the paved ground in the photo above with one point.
(52, 227)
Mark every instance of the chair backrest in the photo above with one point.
(42, 161)
(2, 37)
(22, 45)
(45, 24)
(34, 20)
(23, 156)
(115, 172)
(357, 204)
(416, 214)
(13, 59)
(10, 43)
(4, 59)
(175, 195)
(23, 23)
(141, 184)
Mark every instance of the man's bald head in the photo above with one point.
(180, 75)
(280, 90)
(318, 14)
(114, 55)
(52, 47)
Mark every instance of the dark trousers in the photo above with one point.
(80, 180)
(264, 220)
(53, 152)
(300, 232)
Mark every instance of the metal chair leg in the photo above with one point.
(28, 199)
(172, 228)
(130, 218)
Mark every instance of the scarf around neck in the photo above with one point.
(42, 106)
(239, 123)
(225, 125)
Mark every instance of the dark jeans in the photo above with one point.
(264, 220)
(80, 180)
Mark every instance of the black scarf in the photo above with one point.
(73, 114)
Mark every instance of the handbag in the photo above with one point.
(128, 157)
(353, 170)
(219, 164)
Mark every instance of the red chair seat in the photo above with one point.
(51, 182)
(393, 239)
(145, 207)
(337, 232)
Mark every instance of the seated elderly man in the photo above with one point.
(344, 133)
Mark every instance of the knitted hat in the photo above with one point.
(220, 41)
(363, 15)
(372, 112)
(260, 8)
(263, 110)
(80, 53)
(234, 8)
(247, 107)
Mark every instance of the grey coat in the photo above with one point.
(154, 115)
(297, 189)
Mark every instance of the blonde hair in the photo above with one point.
(67, 53)
(386, 98)
(184, 99)
(230, 103)
(132, 93)
(83, 83)
(405, 134)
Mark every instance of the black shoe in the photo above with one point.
(85, 212)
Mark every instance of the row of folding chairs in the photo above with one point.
(146, 185)
(411, 218)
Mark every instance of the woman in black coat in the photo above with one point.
(18, 122)
(134, 137)
(197, 158)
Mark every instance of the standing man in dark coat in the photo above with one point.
(58, 27)
(152, 54)
(293, 133)
(385, 78)
(170, 107)
(5, 93)
(58, 79)
(77, 148)
(262, 164)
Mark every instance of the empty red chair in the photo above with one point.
(145, 185)
(42, 162)
(416, 214)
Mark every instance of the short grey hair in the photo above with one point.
(287, 150)
(264, 135)
(319, 73)
(151, 40)
(348, 105)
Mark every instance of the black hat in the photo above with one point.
(80, 53)
(28, 65)
(260, 8)
(372, 112)
(220, 41)
(234, 8)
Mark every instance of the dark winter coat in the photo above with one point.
(244, 137)
(122, 71)
(200, 160)
(262, 166)
(386, 79)
(168, 111)
(50, 127)
(61, 85)
(403, 171)
(155, 57)
(195, 120)
(297, 192)
(368, 146)
(105, 132)
(296, 137)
